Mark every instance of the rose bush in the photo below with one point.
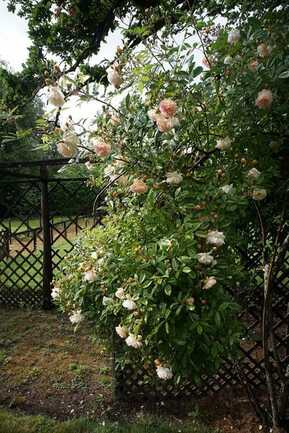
(203, 158)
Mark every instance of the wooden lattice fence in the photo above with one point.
(40, 214)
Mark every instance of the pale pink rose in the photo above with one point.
(253, 65)
(90, 276)
(114, 78)
(115, 120)
(168, 107)
(138, 186)
(66, 150)
(163, 123)
(264, 50)
(264, 99)
(101, 148)
(209, 282)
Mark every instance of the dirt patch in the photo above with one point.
(46, 368)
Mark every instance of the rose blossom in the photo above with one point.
(120, 293)
(264, 99)
(90, 276)
(121, 331)
(152, 114)
(164, 373)
(129, 304)
(168, 107)
(228, 60)
(115, 120)
(264, 50)
(215, 238)
(259, 194)
(174, 178)
(55, 292)
(113, 77)
(138, 186)
(205, 258)
(209, 282)
(76, 317)
(224, 143)
(106, 301)
(253, 65)
(134, 341)
(190, 301)
(56, 96)
(66, 150)
(253, 173)
(101, 148)
(89, 165)
(234, 36)
(227, 189)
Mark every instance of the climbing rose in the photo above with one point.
(164, 373)
(215, 238)
(228, 60)
(264, 50)
(264, 99)
(90, 276)
(121, 331)
(138, 186)
(205, 258)
(66, 150)
(55, 292)
(253, 173)
(174, 178)
(56, 96)
(209, 282)
(106, 300)
(101, 148)
(76, 317)
(88, 165)
(152, 114)
(253, 65)
(129, 304)
(134, 341)
(115, 120)
(227, 189)
(259, 194)
(168, 107)
(224, 143)
(113, 77)
(120, 293)
(234, 36)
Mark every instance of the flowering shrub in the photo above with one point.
(194, 159)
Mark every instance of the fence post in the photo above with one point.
(47, 254)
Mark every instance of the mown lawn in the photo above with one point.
(11, 423)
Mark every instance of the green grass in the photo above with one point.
(11, 423)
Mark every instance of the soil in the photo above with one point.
(47, 368)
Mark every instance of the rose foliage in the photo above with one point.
(193, 159)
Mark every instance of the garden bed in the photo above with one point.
(46, 368)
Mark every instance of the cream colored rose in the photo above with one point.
(253, 173)
(205, 258)
(215, 238)
(224, 143)
(209, 283)
(227, 189)
(129, 304)
(264, 50)
(121, 331)
(90, 276)
(138, 186)
(134, 341)
(234, 36)
(264, 99)
(259, 194)
(164, 373)
(174, 178)
(114, 77)
(76, 317)
(120, 293)
(56, 96)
